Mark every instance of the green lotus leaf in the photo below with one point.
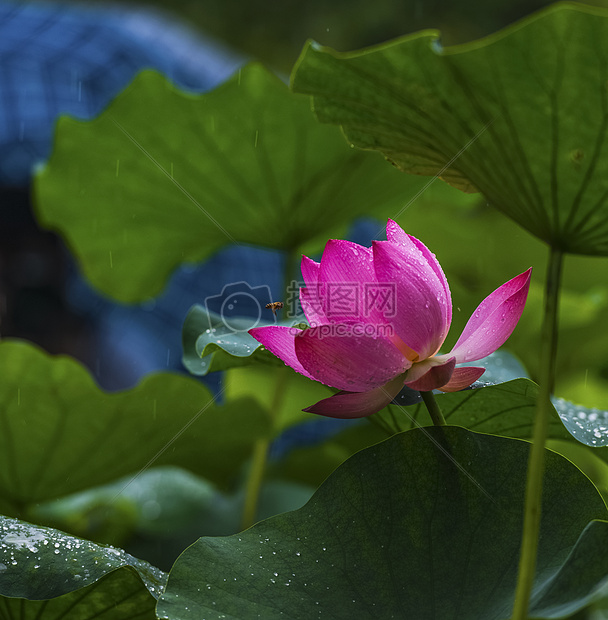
(521, 116)
(210, 344)
(588, 425)
(163, 177)
(425, 525)
(61, 433)
(508, 409)
(162, 511)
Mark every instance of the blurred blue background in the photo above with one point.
(60, 59)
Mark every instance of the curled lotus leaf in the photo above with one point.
(521, 116)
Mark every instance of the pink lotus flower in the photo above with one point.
(378, 317)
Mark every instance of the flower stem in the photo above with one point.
(259, 456)
(254, 482)
(433, 408)
(536, 460)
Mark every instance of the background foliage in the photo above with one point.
(156, 467)
(274, 32)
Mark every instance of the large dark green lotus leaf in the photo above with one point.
(568, 591)
(425, 525)
(61, 433)
(38, 563)
(521, 116)
(163, 177)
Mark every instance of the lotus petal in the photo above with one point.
(358, 404)
(420, 297)
(347, 283)
(312, 306)
(493, 321)
(310, 271)
(336, 355)
(461, 378)
(396, 234)
(279, 340)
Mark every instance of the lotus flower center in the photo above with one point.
(406, 351)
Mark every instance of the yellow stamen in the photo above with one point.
(406, 351)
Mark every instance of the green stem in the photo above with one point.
(536, 460)
(259, 456)
(433, 408)
(254, 482)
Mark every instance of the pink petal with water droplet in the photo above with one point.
(346, 278)
(493, 321)
(445, 298)
(420, 295)
(461, 378)
(358, 404)
(279, 340)
(333, 355)
(396, 234)
(434, 375)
